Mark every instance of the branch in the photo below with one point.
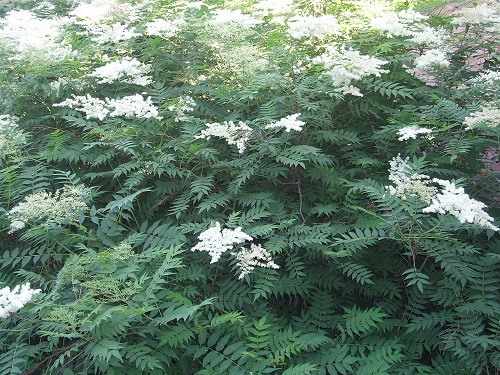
(297, 175)
(65, 349)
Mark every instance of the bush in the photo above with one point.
(337, 161)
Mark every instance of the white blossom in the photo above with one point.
(108, 21)
(227, 29)
(274, 6)
(430, 36)
(389, 23)
(407, 182)
(129, 106)
(432, 58)
(245, 60)
(489, 116)
(256, 256)
(481, 14)
(16, 225)
(183, 105)
(216, 241)
(120, 252)
(233, 134)
(409, 16)
(133, 106)
(486, 81)
(456, 202)
(308, 26)
(13, 300)
(12, 138)
(96, 11)
(448, 199)
(289, 123)
(126, 70)
(195, 4)
(45, 6)
(99, 11)
(398, 24)
(411, 132)
(223, 16)
(346, 66)
(33, 39)
(47, 209)
(409, 23)
(113, 33)
(163, 28)
(488, 77)
(92, 107)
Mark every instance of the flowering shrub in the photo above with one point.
(269, 187)
(62, 207)
(12, 138)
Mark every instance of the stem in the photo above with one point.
(65, 349)
(297, 175)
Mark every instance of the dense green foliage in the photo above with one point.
(368, 282)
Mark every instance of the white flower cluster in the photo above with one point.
(184, 105)
(126, 70)
(164, 28)
(128, 106)
(487, 77)
(430, 36)
(345, 66)
(119, 253)
(456, 202)
(274, 6)
(256, 256)
(222, 16)
(33, 39)
(95, 11)
(233, 134)
(133, 106)
(409, 23)
(486, 81)
(116, 32)
(92, 107)
(481, 14)
(227, 28)
(47, 209)
(13, 300)
(44, 6)
(432, 58)
(216, 241)
(12, 139)
(288, 122)
(99, 11)
(245, 60)
(409, 183)
(308, 26)
(450, 200)
(411, 132)
(108, 20)
(404, 23)
(489, 116)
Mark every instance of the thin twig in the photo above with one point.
(297, 175)
(65, 349)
